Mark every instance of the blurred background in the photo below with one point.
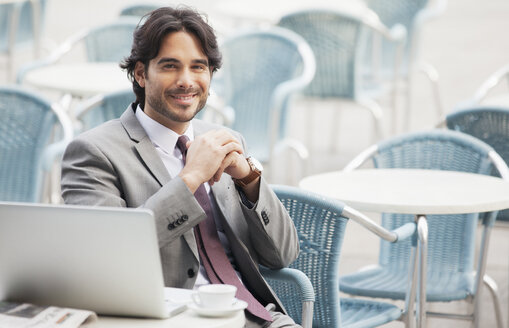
(465, 44)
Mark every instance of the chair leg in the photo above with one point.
(422, 229)
(307, 314)
(377, 113)
(336, 131)
(394, 106)
(493, 288)
(36, 21)
(409, 317)
(310, 114)
(407, 111)
(432, 75)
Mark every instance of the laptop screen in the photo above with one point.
(95, 258)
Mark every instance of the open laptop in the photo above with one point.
(96, 258)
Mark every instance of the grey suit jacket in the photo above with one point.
(116, 164)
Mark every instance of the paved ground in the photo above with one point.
(465, 45)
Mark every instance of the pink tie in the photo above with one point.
(212, 254)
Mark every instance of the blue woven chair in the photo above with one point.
(302, 287)
(412, 14)
(21, 24)
(321, 223)
(26, 151)
(261, 71)
(451, 274)
(101, 108)
(336, 39)
(489, 124)
(105, 43)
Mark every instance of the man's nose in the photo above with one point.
(185, 80)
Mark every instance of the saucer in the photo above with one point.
(238, 305)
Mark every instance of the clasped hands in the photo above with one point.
(211, 154)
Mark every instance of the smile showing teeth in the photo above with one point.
(184, 97)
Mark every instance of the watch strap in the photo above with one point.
(250, 177)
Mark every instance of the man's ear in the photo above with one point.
(139, 73)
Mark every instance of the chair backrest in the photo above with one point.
(402, 12)
(25, 131)
(261, 70)
(102, 108)
(27, 20)
(111, 42)
(409, 13)
(451, 237)
(17, 21)
(395, 12)
(321, 228)
(138, 9)
(336, 38)
(489, 124)
(8, 12)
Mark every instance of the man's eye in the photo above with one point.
(169, 66)
(200, 68)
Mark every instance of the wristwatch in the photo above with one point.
(256, 171)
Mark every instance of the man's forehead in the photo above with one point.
(182, 44)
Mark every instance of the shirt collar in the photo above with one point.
(161, 136)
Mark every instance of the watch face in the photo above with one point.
(256, 164)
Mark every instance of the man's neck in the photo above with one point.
(177, 127)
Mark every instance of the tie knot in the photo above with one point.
(181, 143)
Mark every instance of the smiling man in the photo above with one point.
(216, 217)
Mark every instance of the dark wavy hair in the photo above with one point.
(155, 26)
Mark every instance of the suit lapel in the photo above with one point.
(151, 160)
(144, 147)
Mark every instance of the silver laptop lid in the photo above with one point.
(96, 258)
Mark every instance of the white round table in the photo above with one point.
(410, 191)
(418, 192)
(79, 79)
(186, 319)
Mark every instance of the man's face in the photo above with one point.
(177, 81)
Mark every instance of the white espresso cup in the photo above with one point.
(215, 296)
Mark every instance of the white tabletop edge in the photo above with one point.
(392, 190)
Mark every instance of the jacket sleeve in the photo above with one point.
(272, 232)
(91, 177)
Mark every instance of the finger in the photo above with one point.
(232, 147)
(223, 137)
(217, 176)
(228, 161)
(216, 139)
